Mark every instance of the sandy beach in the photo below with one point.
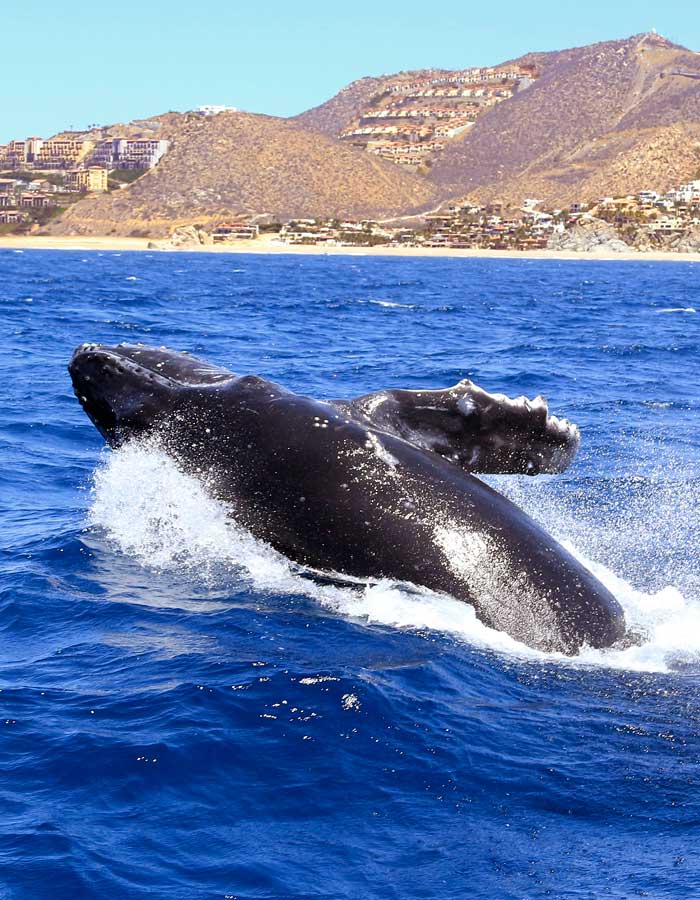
(269, 244)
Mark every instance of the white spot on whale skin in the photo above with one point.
(466, 406)
(465, 551)
(380, 451)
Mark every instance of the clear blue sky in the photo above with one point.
(83, 62)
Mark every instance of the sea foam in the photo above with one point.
(169, 522)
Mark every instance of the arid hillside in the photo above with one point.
(237, 164)
(601, 120)
(604, 119)
(332, 116)
(410, 117)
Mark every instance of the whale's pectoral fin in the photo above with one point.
(478, 431)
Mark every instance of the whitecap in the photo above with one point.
(390, 304)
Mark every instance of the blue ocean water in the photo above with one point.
(181, 716)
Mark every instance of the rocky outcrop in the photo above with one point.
(668, 242)
(689, 242)
(186, 237)
(589, 236)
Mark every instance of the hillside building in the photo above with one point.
(90, 180)
(212, 110)
(36, 201)
(234, 231)
(13, 155)
(61, 153)
(12, 217)
(128, 153)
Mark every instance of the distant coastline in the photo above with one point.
(267, 244)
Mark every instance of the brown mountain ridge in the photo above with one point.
(604, 119)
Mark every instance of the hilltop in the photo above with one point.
(333, 115)
(155, 127)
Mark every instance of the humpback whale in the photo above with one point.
(383, 486)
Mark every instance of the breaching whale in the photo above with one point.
(382, 486)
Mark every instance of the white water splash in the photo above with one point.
(168, 521)
(391, 304)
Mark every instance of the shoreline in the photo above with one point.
(267, 245)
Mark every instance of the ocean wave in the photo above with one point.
(391, 304)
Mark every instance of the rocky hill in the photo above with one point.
(237, 164)
(410, 117)
(603, 119)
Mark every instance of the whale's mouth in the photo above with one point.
(155, 364)
(125, 389)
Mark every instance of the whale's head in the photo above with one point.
(130, 389)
